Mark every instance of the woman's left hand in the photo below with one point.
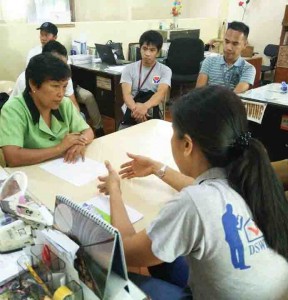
(73, 153)
(110, 182)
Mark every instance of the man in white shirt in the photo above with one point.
(48, 32)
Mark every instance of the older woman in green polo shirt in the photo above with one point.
(41, 123)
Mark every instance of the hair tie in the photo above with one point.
(242, 141)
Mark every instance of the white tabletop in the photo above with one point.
(147, 195)
(270, 93)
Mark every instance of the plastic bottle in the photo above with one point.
(283, 87)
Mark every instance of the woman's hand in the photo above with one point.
(72, 139)
(110, 182)
(139, 166)
(74, 152)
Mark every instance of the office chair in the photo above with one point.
(271, 51)
(184, 58)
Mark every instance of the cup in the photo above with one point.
(34, 278)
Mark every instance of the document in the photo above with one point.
(79, 173)
(100, 205)
(8, 266)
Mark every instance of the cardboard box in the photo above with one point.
(248, 51)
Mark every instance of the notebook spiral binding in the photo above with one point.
(64, 200)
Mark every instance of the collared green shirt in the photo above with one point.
(22, 125)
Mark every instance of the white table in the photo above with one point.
(147, 195)
(270, 93)
(273, 130)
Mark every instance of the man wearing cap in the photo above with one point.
(48, 32)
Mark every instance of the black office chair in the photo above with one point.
(271, 51)
(184, 58)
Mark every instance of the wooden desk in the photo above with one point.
(274, 138)
(104, 85)
(147, 195)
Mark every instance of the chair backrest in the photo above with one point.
(185, 55)
(271, 50)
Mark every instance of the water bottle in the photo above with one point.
(283, 87)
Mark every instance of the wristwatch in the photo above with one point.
(161, 172)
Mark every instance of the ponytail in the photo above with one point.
(253, 177)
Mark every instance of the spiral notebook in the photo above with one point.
(100, 260)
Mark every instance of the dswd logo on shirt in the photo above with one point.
(252, 231)
(156, 79)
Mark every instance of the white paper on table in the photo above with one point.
(102, 202)
(78, 173)
(9, 266)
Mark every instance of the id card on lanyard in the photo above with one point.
(148, 74)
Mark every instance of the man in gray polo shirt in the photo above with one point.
(230, 69)
(144, 76)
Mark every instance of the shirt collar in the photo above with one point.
(34, 110)
(213, 173)
(237, 63)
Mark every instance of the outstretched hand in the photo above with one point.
(109, 182)
(139, 166)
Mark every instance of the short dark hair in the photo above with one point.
(55, 47)
(45, 66)
(151, 37)
(239, 26)
(215, 119)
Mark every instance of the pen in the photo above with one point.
(38, 279)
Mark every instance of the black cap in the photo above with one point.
(49, 27)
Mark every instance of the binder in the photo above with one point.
(101, 262)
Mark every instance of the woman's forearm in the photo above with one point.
(119, 216)
(16, 156)
(172, 177)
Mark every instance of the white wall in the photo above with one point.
(17, 39)
(264, 20)
(264, 17)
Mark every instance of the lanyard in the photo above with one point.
(140, 71)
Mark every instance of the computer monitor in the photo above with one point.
(189, 33)
(107, 56)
